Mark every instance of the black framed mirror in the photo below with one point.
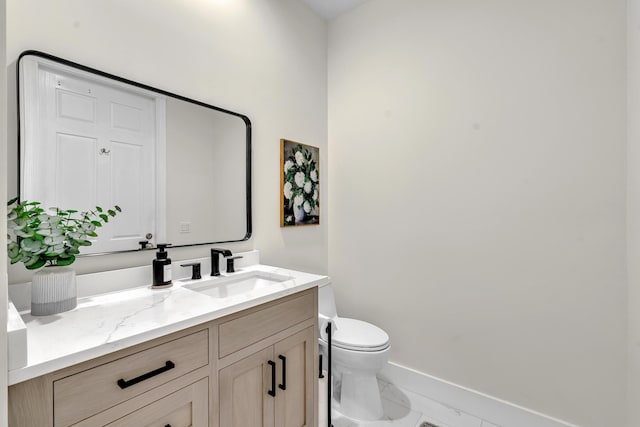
(179, 168)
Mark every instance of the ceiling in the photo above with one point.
(330, 9)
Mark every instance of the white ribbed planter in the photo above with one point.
(53, 290)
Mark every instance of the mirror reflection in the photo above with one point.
(178, 168)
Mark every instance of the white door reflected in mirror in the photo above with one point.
(94, 145)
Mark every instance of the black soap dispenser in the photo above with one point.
(162, 268)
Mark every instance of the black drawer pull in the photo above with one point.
(283, 386)
(124, 384)
(272, 392)
(168, 425)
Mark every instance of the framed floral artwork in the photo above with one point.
(299, 184)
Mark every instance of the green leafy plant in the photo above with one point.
(301, 180)
(38, 236)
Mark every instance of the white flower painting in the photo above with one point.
(299, 184)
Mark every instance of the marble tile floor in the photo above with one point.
(403, 408)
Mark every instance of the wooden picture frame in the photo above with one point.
(299, 184)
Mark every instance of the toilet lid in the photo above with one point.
(353, 334)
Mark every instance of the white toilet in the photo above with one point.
(359, 351)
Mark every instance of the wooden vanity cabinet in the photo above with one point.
(217, 374)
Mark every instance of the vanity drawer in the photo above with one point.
(188, 406)
(250, 328)
(89, 392)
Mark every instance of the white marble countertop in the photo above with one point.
(102, 324)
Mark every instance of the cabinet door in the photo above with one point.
(244, 386)
(295, 373)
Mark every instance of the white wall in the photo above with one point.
(262, 58)
(633, 210)
(3, 213)
(477, 172)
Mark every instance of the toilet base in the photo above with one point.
(360, 397)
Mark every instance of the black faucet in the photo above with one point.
(215, 259)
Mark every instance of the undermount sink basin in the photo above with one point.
(238, 284)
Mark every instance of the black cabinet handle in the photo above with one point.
(283, 386)
(272, 392)
(167, 366)
(168, 425)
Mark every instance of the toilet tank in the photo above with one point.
(326, 301)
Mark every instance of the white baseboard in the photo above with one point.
(492, 409)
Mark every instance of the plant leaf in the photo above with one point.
(36, 265)
(22, 233)
(31, 260)
(67, 260)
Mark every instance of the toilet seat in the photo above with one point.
(356, 335)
